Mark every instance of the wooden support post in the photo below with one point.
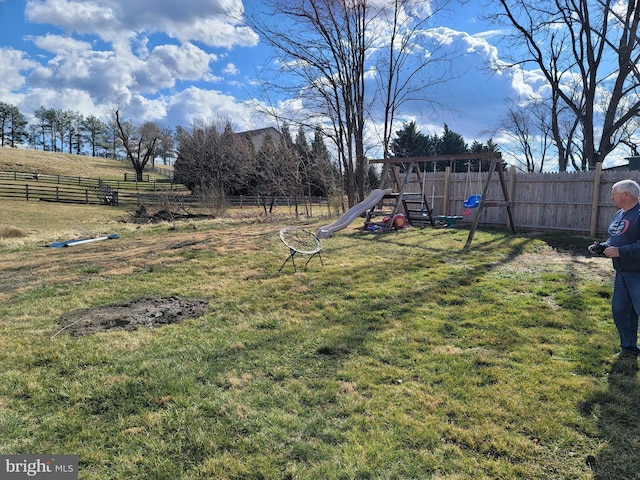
(408, 173)
(512, 185)
(595, 201)
(445, 194)
(385, 174)
(476, 219)
(495, 165)
(505, 194)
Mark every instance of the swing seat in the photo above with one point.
(473, 201)
(449, 220)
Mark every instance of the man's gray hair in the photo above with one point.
(629, 186)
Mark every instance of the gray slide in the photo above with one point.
(354, 212)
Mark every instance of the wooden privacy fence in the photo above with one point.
(576, 203)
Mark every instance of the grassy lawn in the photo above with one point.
(401, 358)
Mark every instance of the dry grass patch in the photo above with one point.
(7, 232)
(50, 163)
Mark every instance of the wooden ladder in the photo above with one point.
(416, 217)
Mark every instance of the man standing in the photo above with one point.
(623, 247)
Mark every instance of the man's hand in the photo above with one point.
(611, 252)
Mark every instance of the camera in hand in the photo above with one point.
(599, 248)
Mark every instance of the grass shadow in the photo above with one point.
(618, 415)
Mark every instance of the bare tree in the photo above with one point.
(278, 171)
(527, 125)
(588, 52)
(139, 142)
(405, 72)
(213, 160)
(334, 51)
(327, 51)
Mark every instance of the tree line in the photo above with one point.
(410, 142)
(216, 161)
(210, 160)
(213, 160)
(59, 130)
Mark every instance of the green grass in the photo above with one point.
(401, 358)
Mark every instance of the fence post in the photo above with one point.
(445, 198)
(511, 190)
(595, 202)
(27, 191)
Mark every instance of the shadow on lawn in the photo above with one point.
(618, 423)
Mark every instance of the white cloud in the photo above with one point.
(168, 63)
(142, 109)
(102, 74)
(475, 93)
(528, 84)
(14, 63)
(59, 44)
(231, 69)
(199, 106)
(65, 99)
(212, 22)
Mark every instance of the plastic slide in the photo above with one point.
(354, 212)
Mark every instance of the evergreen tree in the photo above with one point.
(327, 174)
(306, 166)
(95, 132)
(409, 142)
(12, 125)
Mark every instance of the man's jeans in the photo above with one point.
(625, 306)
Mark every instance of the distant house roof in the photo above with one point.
(634, 164)
(258, 136)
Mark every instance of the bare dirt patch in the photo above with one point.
(147, 312)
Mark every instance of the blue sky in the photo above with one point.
(177, 62)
